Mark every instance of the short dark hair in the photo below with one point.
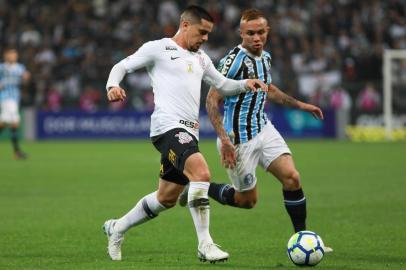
(252, 14)
(195, 14)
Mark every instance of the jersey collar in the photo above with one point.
(250, 54)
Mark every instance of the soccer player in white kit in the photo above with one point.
(12, 75)
(176, 67)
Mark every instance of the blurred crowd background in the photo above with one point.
(329, 53)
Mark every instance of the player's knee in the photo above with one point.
(292, 181)
(167, 202)
(202, 175)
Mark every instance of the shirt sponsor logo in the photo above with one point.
(171, 48)
(190, 124)
(184, 137)
(227, 64)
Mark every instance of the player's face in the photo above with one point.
(254, 34)
(197, 34)
(11, 56)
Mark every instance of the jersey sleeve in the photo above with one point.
(143, 57)
(231, 63)
(225, 86)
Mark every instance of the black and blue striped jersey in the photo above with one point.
(11, 76)
(244, 115)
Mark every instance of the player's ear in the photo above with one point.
(184, 24)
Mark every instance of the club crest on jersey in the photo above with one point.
(248, 63)
(269, 62)
(248, 179)
(202, 62)
(184, 137)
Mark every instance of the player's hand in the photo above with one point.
(315, 111)
(116, 94)
(254, 85)
(228, 155)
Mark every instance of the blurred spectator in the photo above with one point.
(89, 99)
(319, 98)
(369, 99)
(315, 44)
(340, 99)
(54, 99)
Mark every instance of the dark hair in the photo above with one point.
(195, 14)
(252, 14)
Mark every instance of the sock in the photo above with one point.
(146, 209)
(14, 139)
(199, 207)
(295, 204)
(222, 193)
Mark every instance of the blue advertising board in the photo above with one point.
(103, 125)
(133, 124)
(292, 123)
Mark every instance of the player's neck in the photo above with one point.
(178, 38)
(254, 53)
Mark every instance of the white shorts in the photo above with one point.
(9, 112)
(261, 150)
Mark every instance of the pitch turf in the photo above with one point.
(53, 205)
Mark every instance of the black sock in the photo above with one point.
(222, 193)
(14, 140)
(295, 204)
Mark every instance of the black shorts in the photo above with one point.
(175, 146)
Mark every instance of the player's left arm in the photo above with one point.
(277, 96)
(26, 76)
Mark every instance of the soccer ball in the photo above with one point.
(305, 248)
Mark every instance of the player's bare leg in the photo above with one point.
(283, 168)
(197, 171)
(18, 153)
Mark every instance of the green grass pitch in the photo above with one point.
(53, 205)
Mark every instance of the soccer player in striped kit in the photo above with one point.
(246, 137)
(12, 75)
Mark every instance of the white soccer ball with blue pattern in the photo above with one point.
(305, 248)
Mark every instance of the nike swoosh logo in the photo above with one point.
(173, 58)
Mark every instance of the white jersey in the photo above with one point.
(176, 76)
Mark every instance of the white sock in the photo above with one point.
(146, 209)
(198, 202)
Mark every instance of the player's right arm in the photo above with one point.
(227, 149)
(143, 57)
